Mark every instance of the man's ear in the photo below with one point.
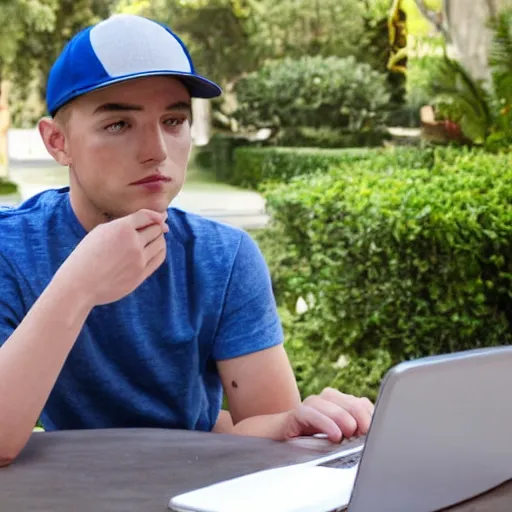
(55, 141)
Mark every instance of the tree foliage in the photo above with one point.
(227, 38)
(34, 32)
(65, 19)
(483, 110)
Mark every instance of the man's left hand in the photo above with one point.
(335, 414)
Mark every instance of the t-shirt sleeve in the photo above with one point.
(11, 303)
(249, 321)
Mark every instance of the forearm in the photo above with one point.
(272, 426)
(32, 358)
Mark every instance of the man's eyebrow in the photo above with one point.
(120, 107)
(116, 107)
(180, 105)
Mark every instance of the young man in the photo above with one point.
(118, 311)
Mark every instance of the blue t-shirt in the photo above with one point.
(149, 359)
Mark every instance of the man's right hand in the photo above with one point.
(116, 257)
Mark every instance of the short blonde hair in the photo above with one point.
(63, 114)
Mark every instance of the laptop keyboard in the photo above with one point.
(345, 461)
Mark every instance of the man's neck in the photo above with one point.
(87, 214)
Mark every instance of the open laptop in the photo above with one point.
(440, 434)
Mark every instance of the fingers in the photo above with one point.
(361, 409)
(340, 415)
(155, 262)
(150, 226)
(367, 405)
(144, 218)
(335, 414)
(151, 233)
(315, 421)
(154, 247)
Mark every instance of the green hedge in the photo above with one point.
(306, 136)
(254, 167)
(398, 255)
(7, 187)
(259, 167)
(218, 155)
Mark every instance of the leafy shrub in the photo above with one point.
(314, 92)
(7, 187)
(256, 167)
(218, 155)
(325, 137)
(459, 98)
(315, 368)
(396, 259)
(202, 158)
(483, 110)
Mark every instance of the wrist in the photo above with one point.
(66, 286)
(273, 426)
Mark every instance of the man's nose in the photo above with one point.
(152, 146)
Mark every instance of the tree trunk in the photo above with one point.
(470, 36)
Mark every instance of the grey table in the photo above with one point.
(140, 469)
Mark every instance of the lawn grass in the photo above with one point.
(200, 180)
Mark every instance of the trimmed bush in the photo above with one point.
(257, 167)
(218, 155)
(202, 158)
(305, 136)
(7, 187)
(396, 258)
(316, 92)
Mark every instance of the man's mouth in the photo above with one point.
(154, 178)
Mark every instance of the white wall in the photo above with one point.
(26, 144)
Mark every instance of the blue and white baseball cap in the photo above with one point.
(120, 48)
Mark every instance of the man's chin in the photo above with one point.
(133, 203)
(156, 204)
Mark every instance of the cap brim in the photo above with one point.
(198, 86)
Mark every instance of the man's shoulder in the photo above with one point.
(214, 246)
(201, 230)
(27, 220)
(31, 210)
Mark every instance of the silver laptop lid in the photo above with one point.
(440, 433)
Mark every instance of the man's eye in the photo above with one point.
(174, 122)
(116, 127)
